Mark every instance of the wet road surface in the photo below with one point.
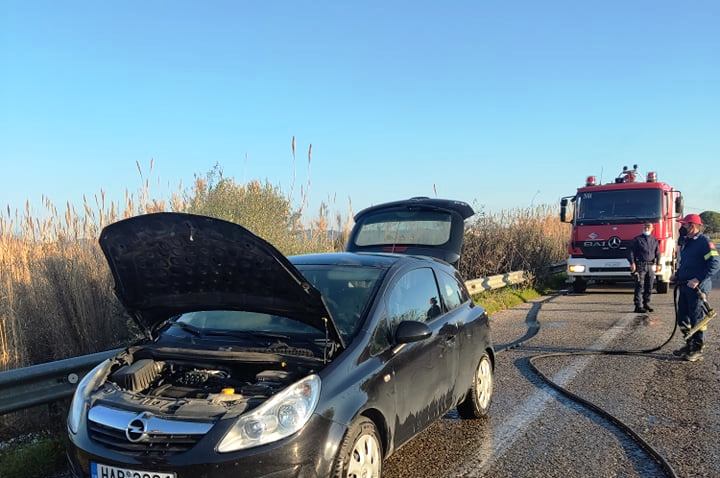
(536, 432)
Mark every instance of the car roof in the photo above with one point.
(366, 259)
(346, 259)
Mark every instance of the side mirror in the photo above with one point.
(563, 210)
(411, 331)
(679, 206)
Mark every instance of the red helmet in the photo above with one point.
(692, 219)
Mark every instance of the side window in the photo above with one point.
(381, 338)
(450, 290)
(414, 297)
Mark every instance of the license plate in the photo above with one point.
(98, 470)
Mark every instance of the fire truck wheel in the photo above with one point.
(579, 285)
(662, 287)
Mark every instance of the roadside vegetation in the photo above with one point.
(37, 457)
(496, 300)
(518, 239)
(56, 293)
(711, 219)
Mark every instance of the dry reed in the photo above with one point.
(511, 240)
(56, 297)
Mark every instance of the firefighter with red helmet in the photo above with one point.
(699, 262)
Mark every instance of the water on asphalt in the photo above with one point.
(535, 432)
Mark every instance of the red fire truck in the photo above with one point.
(606, 217)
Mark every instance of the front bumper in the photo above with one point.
(598, 268)
(308, 453)
(618, 269)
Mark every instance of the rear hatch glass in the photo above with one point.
(428, 227)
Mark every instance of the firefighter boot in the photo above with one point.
(682, 351)
(695, 352)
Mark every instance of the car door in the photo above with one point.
(472, 327)
(424, 371)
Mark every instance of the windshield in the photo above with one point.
(631, 205)
(428, 228)
(347, 291)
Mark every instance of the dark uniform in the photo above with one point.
(699, 259)
(644, 253)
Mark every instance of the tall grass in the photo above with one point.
(57, 298)
(56, 291)
(517, 239)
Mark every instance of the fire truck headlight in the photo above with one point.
(576, 268)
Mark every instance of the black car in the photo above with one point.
(258, 365)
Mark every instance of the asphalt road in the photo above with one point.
(535, 432)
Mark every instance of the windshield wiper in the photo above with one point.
(247, 333)
(189, 328)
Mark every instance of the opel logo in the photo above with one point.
(614, 242)
(135, 431)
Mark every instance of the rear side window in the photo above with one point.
(414, 297)
(451, 291)
(427, 228)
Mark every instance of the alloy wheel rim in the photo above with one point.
(365, 458)
(483, 383)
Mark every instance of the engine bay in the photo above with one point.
(188, 387)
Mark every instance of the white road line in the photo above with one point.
(509, 431)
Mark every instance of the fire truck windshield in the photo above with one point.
(621, 206)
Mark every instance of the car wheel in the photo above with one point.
(360, 454)
(477, 401)
(662, 287)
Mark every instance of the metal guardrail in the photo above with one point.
(496, 282)
(48, 382)
(557, 267)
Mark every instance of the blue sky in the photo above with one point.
(500, 103)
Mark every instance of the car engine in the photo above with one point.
(193, 388)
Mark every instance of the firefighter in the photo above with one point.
(644, 262)
(699, 262)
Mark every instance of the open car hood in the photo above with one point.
(166, 264)
(417, 226)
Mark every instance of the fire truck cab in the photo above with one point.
(606, 218)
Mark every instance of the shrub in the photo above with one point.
(518, 239)
(711, 219)
(263, 209)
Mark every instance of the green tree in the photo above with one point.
(260, 207)
(711, 219)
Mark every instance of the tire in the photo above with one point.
(478, 399)
(579, 285)
(360, 453)
(662, 287)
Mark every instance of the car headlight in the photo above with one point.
(576, 268)
(280, 416)
(82, 393)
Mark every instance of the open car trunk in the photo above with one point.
(417, 226)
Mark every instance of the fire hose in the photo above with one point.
(662, 462)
